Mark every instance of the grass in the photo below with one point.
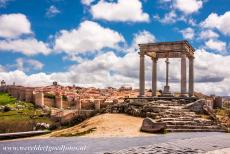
(223, 112)
(6, 99)
(224, 116)
(23, 116)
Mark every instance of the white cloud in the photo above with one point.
(14, 25)
(88, 37)
(109, 69)
(141, 37)
(220, 22)
(3, 3)
(20, 78)
(29, 46)
(211, 74)
(122, 10)
(208, 34)
(2, 68)
(188, 33)
(87, 2)
(52, 11)
(216, 45)
(188, 6)
(28, 65)
(144, 37)
(173, 17)
(169, 18)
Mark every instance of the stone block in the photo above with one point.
(150, 126)
(197, 106)
(218, 102)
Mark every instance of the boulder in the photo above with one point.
(150, 126)
(42, 126)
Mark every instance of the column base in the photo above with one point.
(184, 95)
(166, 92)
(192, 96)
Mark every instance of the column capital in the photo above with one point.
(154, 59)
(141, 53)
(183, 55)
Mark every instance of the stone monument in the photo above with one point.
(177, 49)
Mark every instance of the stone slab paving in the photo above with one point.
(220, 151)
(210, 144)
(173, 142)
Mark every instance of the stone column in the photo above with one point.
(154, 76)
(191, 77)
(183, 74)
(166, 87)
(167, 72)
(142, 75)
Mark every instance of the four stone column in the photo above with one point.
(191, 77)
(154, 76)
(142, 74)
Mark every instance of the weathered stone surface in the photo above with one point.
(177, 116)
(151, 126)
(196, 106)
(218, 102)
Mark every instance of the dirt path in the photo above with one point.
(106, 125)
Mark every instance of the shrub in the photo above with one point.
(50, 96)
(6, 109)
(64, 98)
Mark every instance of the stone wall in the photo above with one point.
(49, 102)
(66, 105)
(58, 100)
(39, 99)
(87, 105)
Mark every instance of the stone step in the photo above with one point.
(179, 110)
(170, 105)
(180, 122)
(206, 123)
(192, 127)
(178, 119)
(195, 130)
(177, 116)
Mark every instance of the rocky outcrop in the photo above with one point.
(150, 126)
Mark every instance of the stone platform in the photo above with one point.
(168, 98)
(175, 114)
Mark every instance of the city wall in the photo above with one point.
(37, 97)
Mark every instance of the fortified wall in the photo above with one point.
(38, 96)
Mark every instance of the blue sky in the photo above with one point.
(94, 42)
